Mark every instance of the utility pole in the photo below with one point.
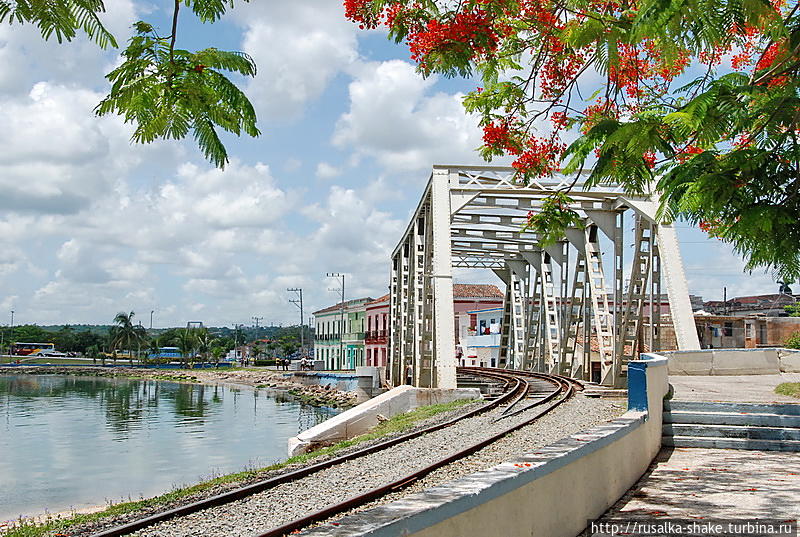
(341, 314)
(151, 318)
(257, 320)
(299, 304)
(11, 342)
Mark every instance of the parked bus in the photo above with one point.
(33, 349)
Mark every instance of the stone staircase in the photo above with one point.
(758, 426)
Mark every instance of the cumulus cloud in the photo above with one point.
(396, 118)
(327, 171)
(355, 237)
(299, 48)
(27, 58)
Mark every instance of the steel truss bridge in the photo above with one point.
(581, 307)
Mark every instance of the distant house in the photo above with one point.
(480, 345)
(769, 305)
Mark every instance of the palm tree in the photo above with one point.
(256, 351)
(126, 335)
(186, 342)
(203, 340)
(217, 352)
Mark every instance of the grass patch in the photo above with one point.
(792, 389)
(394, 425)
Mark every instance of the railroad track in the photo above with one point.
(520, 391)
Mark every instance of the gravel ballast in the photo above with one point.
(261, 512)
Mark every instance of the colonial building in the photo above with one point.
(354, 333)
(333, 332)
(377, 334)
(364, 336)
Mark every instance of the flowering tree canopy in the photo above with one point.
(697, 99)
(166, 92)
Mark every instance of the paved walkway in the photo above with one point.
(739, 388)
(707, 484)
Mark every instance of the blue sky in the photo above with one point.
(91, 225)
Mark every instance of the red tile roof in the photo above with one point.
(476, 290)
(338, 306)
(384, 298)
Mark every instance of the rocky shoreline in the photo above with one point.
(314, 395)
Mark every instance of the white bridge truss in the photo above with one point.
(569, 308)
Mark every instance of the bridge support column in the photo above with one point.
(444, 335)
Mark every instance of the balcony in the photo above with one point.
(326, 337)
(489, 340)
(377, 336)
(353, 336)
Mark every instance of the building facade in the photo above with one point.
(377, 332)
(480, 338)
(333, 333)
(354, 334)
(364, 339)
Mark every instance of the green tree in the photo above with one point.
(288, 344)
(164, 91)
(793, 341)
(256, 351)
(793, 310)
(187, 342)
(217, 352)
(203, 341)
(719, 142)
(125, 335)
(31, 333)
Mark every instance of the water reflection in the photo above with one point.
(73, 441)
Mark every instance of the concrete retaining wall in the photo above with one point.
(363, 417)
(551, 492)
(766, 361)
(790, 360)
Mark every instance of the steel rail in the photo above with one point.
(354, 501)
(513, 385)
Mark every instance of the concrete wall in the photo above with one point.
(551, 492)
(767, 361)
(360, 419)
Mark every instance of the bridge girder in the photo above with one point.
(472, 217)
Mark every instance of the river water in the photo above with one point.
(72, 442)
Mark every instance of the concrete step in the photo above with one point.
(731, 443)
(728, 418)
(786, 409)
(731, 431)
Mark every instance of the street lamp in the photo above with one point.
(341, 314)
(151, 318)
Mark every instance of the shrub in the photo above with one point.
(793, 341)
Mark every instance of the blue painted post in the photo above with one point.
(637, 386)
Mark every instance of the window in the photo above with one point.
(728, 330)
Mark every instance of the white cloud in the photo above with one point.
(327, 171)
(27, 58)
(394, 119)
(355, 237)
(299, 48)
(56, 157)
